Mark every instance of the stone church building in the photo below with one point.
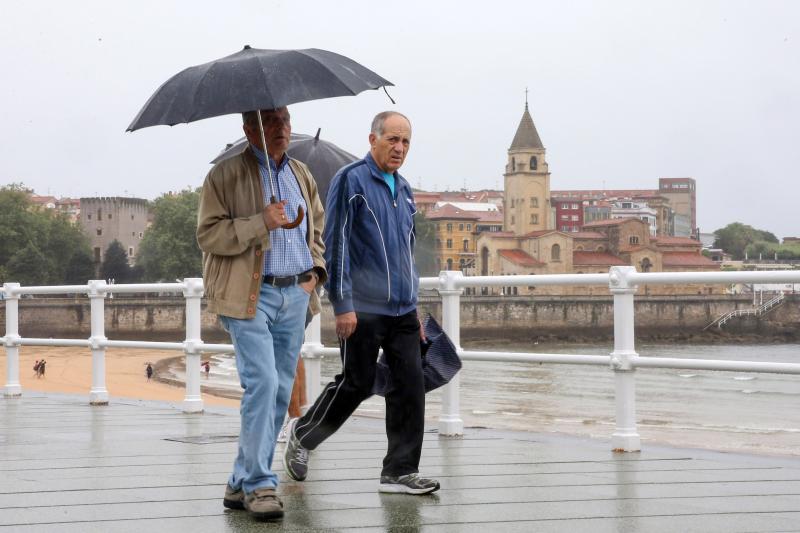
(530, 244)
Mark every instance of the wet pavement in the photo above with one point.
(147, 467)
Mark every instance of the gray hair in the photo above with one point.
(250, 118)
(380, 118)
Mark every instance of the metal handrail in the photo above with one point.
(623, 361)
(755, 311)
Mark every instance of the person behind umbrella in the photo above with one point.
(369, 239)
(260, 279)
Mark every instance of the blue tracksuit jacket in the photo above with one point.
(369, 242)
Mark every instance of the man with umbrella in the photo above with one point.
(369, 238)
(259, 276)
(259, 268)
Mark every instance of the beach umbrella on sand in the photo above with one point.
(254, 79)
(323, 158)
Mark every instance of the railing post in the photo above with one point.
(13, 388)
(625, 437)
(312, 358)
(98, 395)
(193, 292)
(450, 422)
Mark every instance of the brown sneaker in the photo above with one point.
(264, 504)
(234, 499)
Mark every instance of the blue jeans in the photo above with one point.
(267, 348)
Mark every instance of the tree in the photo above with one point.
(80, 268)
(115, 264)
(734, 238)
(25, 266)
(37, 246)
(169, 248)
(425, 249)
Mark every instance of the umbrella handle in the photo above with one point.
(297, 221)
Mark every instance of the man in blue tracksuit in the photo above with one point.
(373, 283)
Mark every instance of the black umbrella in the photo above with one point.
(251, 80)
(440, 361)
(323, 158)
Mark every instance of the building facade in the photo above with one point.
(105, 219)
(544, 235)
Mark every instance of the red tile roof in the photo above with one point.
(539, 233)
(588, 235)
(681, 259)
(676, 241)
(596, 258)
(519, 257)
(609, 222)
(448, 211)
(591, 194)
(491, 217)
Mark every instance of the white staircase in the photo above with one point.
(754, 311)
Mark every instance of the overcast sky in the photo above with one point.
(622, 93)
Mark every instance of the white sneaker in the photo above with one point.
(282, 436)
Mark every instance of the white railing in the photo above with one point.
(623, 360)
(755, 311)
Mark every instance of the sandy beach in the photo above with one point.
(69, 370)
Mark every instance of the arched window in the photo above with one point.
(465, 242)
(633, 239)
(513, 165)
(600, 249)
(461, 264)
(449, 264)
(646, 264)
(534, 218)
(534, 201)
(533, 163)
(579, 249)
(484, 261)
(555, 253)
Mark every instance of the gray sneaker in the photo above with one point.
(295, 457)
(234, 499)
(264, 504)
(408, 484)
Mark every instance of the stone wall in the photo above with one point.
(161, 318)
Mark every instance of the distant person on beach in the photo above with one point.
(42, 364)
(369, 248)
(260, 273)
(206, 368)
(149, 371)
(36, 368)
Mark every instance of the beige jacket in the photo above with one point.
(233, 236)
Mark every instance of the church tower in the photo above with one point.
(527, 181)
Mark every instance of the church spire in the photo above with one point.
(526, 136)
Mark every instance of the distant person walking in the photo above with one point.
(149, 371)
(42, 364)
(36, 368)
(207, 368)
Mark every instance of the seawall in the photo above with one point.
(519, 317)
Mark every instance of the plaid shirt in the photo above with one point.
(289, 254)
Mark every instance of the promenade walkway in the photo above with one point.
(138, 466)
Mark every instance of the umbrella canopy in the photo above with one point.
(323, 158)
(254, 79)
